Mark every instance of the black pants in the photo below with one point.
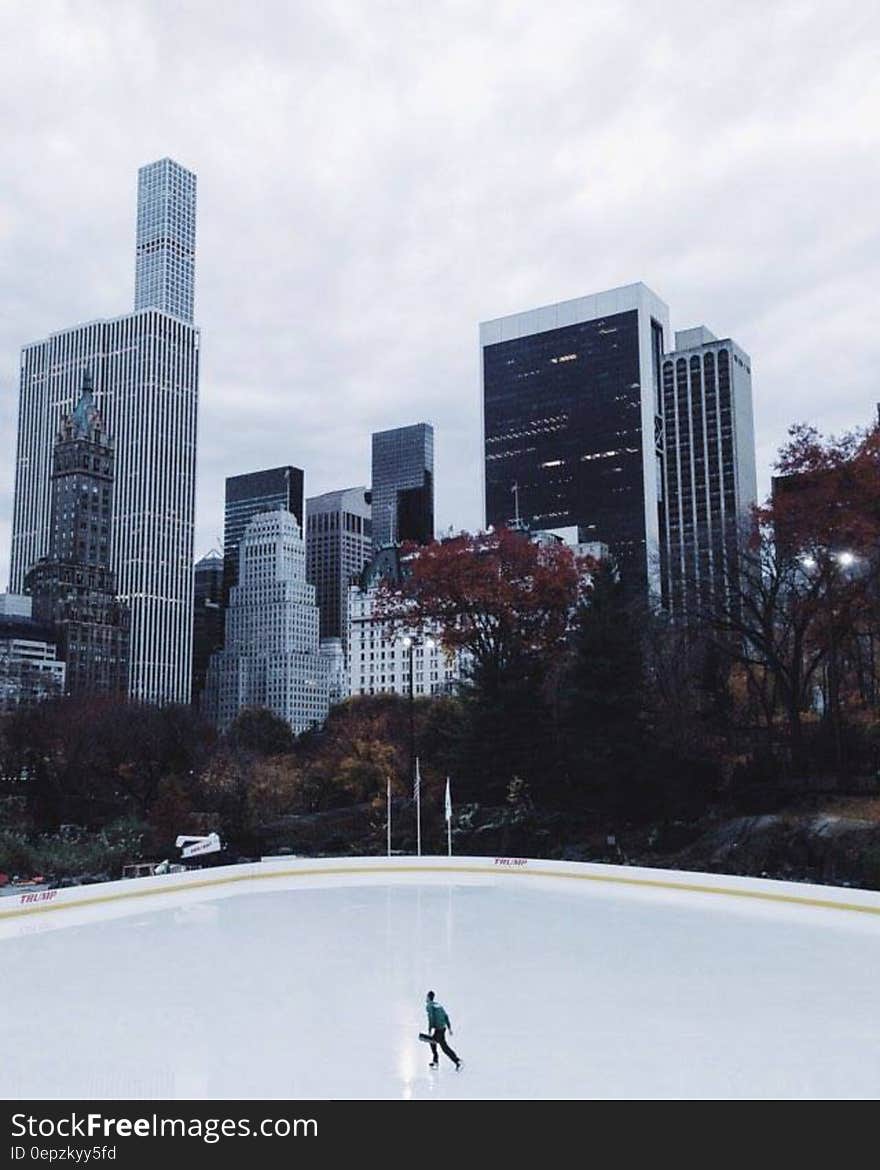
(439, 1035)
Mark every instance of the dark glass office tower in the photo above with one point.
(208, 618)
(249, 495)
(338, 548)
(571, 406)
(403, 485)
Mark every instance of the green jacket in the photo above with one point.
(437, 1017)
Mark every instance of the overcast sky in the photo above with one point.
(375, 178)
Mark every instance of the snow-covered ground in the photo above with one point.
(556, 988)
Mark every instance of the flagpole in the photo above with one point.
(418, 788)
(448, 811)
(389, 816)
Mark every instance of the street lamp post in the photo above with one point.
(846, 564)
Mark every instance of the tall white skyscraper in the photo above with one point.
(145, 370)
(166, 239)
(711, 483)
(272, 654)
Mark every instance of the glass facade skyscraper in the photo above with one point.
(207, 618)
(403, 485)
(73, 588)
(145, 367)
(166, 239)
(711, 482)
(572, 428)
(338, 548)
(247, 496)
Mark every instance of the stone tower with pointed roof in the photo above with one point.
(73, 587)
(146, 374)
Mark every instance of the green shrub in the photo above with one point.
(17, 854)
(72, 851)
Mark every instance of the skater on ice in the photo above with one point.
(438, 1023)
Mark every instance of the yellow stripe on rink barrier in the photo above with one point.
(520, 870)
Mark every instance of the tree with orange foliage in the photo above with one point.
(508, 603)
(498, 595)
(807, 590)
(826, 497)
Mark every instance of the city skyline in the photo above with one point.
(305, 361)
(143, 369)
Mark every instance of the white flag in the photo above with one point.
(417, 782)
(448, 802)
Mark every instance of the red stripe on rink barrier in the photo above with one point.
(763, 890)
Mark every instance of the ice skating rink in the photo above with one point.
(313, 987)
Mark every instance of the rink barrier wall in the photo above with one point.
(503, 868)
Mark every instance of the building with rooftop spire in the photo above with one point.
(145, 371)
(73, 588)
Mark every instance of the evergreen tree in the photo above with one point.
(601, 718)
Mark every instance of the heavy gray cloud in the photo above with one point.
(376, 178)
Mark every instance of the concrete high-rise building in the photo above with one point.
(272, 654)
(166, 239)
(146, 377)
(207, 618)
(73, 588)
(249, 495)
(338, 547)
(572, 423)
(383, 660)
(30, 669)
(403, 485)
(710, 479)
(16, 605)
(337, 674)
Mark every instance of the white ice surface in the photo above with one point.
(555, 989)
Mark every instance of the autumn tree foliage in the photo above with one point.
(508, 602)
(807, 594)
(497, 595)
(258, 730)
(90, 761)
(826, 501)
